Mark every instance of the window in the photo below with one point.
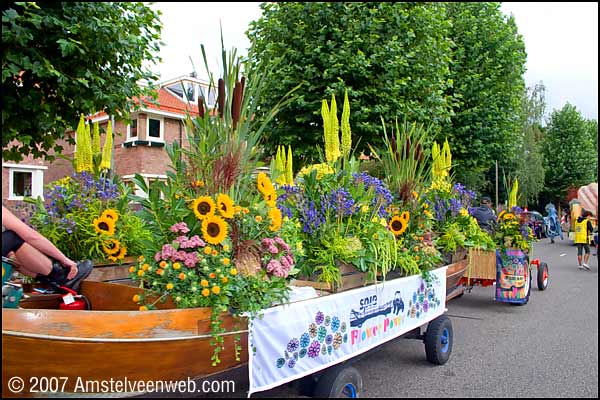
(212, 98)
(155, 129)
(22, 183)
(132, 130)
(148, 178)
(25, 181)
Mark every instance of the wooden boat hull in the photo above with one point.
(454, 273)
(85, 346)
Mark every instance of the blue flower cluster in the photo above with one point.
(340, 202)
(383, 197)
(450, 207)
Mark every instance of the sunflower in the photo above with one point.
(111, 247)
(203, 206)
(508, 215)
(405, 216)
(110, 213)
(214, 229)
(225, 206)
(270, 198)
(275, 215)
(397, 225)
(120, 255)
(264, 183)
(104, 225)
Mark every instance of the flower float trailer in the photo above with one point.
(510, 267)
(115, 341)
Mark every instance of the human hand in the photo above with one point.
(68, 263)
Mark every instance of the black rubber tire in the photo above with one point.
(541, 282)
(339, 382)
(438, 340)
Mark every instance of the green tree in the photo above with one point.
(391, 57)
(488, 64)
(530, 160)
(63, 59)
(571, 160)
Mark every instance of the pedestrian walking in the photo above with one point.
(583, 230)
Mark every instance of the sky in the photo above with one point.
(561, 41)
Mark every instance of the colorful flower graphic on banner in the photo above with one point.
(422, 300)
(324, 336)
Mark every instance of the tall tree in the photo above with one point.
(66, 58)
(392, 57)
(487, 69)
(530, 160)
(571, 159)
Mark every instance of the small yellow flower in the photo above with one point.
(205, 292)
(207, 250)
(364, 208)
(204, 283)
(169, 286)
(140, 258)
(136, 298)
(226, 261)
(224, 279)
(226, 247)
(140, 273)
(216, 289)
(145, 267)
(258, 218)
(233, 271)
(143, 308)
(132, 269)
(176, 266)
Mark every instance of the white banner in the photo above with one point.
(301, 338)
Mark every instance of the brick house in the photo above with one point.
(138, 147)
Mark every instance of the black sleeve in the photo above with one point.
(590, 227)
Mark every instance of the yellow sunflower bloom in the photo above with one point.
(110, 213)
(264, 183)
(111, 247)
(405, 216)
(214, 229)
(275, 215)
(397, 225)
(104, 225)
(225, 206)
(270, 197)
(203, 206)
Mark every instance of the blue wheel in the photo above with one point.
(438, 340)
(340, 381)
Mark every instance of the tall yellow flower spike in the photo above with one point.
(289, 171)
(346, 132)
(108, 147)
(334, 130)
(512, 196)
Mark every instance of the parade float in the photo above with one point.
(224, 253)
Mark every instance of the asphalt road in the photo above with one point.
(546, 348)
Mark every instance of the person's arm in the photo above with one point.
(34, 238)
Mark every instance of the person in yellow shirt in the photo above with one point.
(583, 230)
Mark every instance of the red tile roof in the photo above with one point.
(166, 102)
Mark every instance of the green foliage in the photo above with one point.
(392, 58)
(225, 142)
(571, 160)
(65, 58)
(405, 158)
(530, 160)
(488, 64)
